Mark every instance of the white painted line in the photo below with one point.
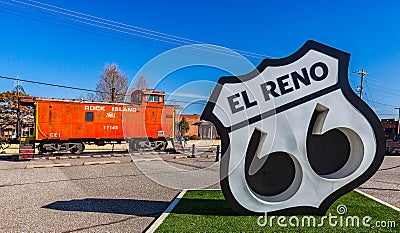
(164, 215)
(378, 200)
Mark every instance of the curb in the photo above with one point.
(171, 206)
(48, 165)
(146, 160)
(377, 200)
(101, 162)
(165, 214)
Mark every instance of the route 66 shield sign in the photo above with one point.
(294, 136)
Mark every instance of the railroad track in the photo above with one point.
(89, 154)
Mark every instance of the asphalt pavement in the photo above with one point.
(119, 197)
(94, 198)
(385, 184)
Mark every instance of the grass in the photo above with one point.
(207, 211)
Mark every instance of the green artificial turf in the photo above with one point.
(207, 211)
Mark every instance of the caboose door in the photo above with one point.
(27, 131)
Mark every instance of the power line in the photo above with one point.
(111, 25)
(186, 102)
(96, 32)
(99, 22)
(368, 100)
(370, 95)
(127, 26)
(205, 48)
(386, 88)
(54, 85)
(84, 89)
(90, 90)
(389, 105)
(83, 22)
(126, 29)
(374, 83)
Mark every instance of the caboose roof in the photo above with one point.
(150, 92)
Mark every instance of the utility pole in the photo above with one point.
(363, 74)
(19, 89)
(398, 120)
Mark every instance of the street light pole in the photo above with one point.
(398, 120)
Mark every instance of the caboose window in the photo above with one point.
(137, 98)
(153, 98)
(89, 116)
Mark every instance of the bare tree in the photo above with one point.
(112, 86)
(8, 112)
(141, 83)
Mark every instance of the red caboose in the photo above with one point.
(65, 125)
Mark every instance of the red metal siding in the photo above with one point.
(67, 121)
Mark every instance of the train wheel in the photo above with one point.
(43, 151)
(160, 145)
(78, 148)
(144, 144)
(164, 146)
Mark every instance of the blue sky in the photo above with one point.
(46, 52)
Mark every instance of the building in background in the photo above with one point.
(203, 129)
(391, 127)
(207, 130)
(191, 119)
